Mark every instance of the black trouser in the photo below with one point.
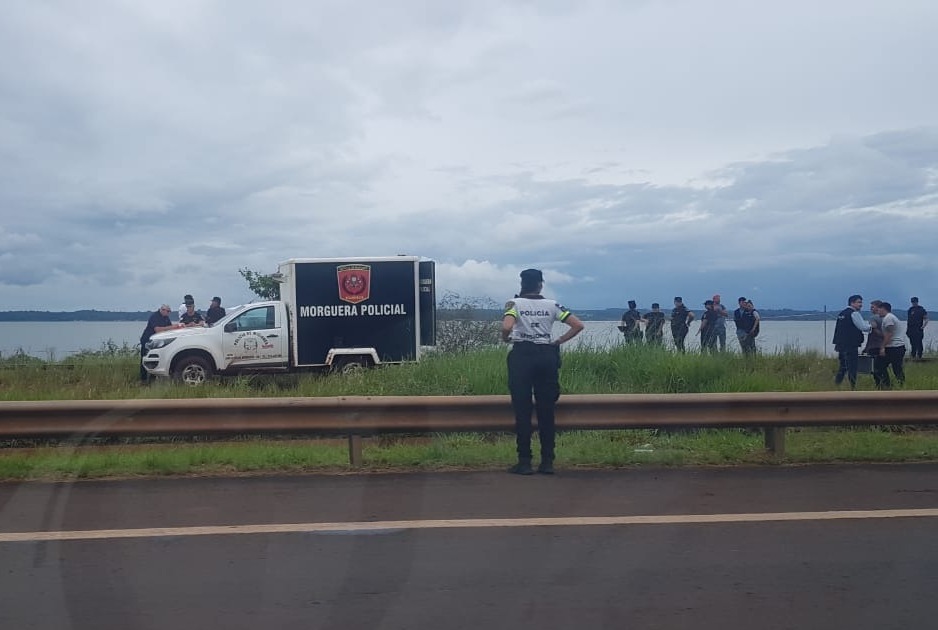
(847, 359)
(144, 375)
(747, 343)
(534, 368)
(633, 336)
(708, 340)
(892, 357)
(915, 341)
(679, 334)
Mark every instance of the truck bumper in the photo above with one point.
(157, 364)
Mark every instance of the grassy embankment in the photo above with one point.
(112, 375)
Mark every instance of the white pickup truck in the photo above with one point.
(338, 313)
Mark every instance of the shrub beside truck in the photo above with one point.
(334, 313)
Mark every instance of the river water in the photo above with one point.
(58, 340)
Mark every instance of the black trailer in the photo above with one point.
(358, 311)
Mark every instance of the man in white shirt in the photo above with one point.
(893, 351)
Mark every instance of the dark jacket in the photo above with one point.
(213, 314)
(846, 334)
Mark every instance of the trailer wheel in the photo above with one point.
(350, 365)
(192, 370)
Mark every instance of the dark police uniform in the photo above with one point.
(915, 329)
(156, 320)
(214, 313)
(679, 327)
(847, 341)
(630, 325)
(195, 318)
(533, 366)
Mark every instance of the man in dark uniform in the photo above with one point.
(630, 324)
(534, 365)
(708, 327)
(747, 325)
(215, 311)
(655, 325)
(848, 337)
(191, 317)
(158, 322)
(680, 323)
(915, 322)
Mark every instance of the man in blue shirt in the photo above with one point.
(158, 322)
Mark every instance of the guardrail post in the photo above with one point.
(355, 450)
(775, 440)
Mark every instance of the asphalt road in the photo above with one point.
(418, 571)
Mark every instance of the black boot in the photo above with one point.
(523, 467)
(546, 467)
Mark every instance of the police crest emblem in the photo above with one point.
(354, 283)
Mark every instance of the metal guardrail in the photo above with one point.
(357, 416)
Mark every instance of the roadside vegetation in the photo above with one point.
(467, 369)
(112, 373)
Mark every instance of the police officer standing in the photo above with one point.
(848, 337)
(916, 321)
(534, 365)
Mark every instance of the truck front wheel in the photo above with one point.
(192, 370)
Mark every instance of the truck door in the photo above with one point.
(255, 339)
(427, 302)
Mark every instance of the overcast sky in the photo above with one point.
(632, 150)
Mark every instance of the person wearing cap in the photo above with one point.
(157, 322)
(191, 317)
(534, 366)
(680, 323)
(719, 327)
(215, 311)
(654, 325)
(848, 337)
(707, 331)
(915, 322)
(746, 318)
(186, 301)
(630, 326)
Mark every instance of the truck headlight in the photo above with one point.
(160, 343)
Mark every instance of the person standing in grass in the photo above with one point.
(893, 351)
(534, 366)
(874, 340)
(654, 328)
(630, 324)
(158, 322)
(719, 323)
(708, 328)
(848, 337)
(915, 323)
(680, 323)
(746, 318)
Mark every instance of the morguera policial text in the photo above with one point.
(352, 310)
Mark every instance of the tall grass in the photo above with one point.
(113, 374)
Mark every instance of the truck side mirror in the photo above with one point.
(230, 327)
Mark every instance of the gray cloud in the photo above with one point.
(148, 151)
